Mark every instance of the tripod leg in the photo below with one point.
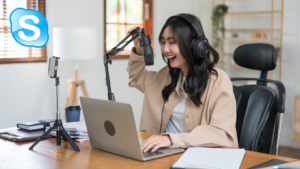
(58, 137)
(75, 95)
(67, 136)
(64, 137)
(71, 92)
(84, 91)
(44, 135)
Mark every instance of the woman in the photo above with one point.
(189, 101)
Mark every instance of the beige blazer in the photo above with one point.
(209, 125)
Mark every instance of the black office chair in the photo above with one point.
(259, 107)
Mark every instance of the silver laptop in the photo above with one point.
(111, 128)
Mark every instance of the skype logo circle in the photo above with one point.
(29, 27)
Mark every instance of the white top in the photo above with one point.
(176, 123)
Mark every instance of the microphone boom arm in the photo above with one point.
(113, 52)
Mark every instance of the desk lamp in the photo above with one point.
(75, 43)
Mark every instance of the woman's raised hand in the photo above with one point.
(139, 49)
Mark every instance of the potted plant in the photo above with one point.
(218, 24)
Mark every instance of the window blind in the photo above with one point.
(10, 50)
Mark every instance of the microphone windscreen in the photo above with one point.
(148, 55)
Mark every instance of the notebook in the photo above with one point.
(290, 164)
(269, 163)
(212, 158)
(19, 135)
(34, 125)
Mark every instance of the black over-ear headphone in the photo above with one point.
(199, 44)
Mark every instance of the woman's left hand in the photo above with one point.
(156, 142)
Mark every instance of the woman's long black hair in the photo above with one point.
(199, 69)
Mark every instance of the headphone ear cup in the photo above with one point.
(203, 48)
(199, 47)
(194, 48)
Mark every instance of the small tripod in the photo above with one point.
(58, 125)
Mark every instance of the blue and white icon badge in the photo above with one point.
(29, 27)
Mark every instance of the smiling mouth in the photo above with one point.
(171, 58)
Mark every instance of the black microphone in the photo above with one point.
(147, 49)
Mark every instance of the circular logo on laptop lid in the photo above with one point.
(109, 127)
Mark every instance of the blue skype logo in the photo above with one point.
(29, 27)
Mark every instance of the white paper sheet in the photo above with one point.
(210, 158)
(78, 125)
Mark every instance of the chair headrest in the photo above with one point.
(257, 56)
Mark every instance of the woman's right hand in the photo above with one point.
(139, 49)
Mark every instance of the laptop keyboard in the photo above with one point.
(149, 153)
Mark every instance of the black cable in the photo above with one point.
(162, 112)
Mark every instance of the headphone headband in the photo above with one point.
(193, 22)
(199, 45)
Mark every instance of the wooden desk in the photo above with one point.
(47, 155)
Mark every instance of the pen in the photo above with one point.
(286, 167)
(8, 136)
